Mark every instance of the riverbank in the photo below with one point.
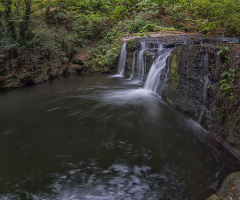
(36, 69)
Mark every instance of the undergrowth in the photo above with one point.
(56, 30)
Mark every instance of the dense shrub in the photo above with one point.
(56, 29)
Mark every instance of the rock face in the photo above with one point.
(196, 87)
(230, 188)
(201, 79)
(186, 88)
(20, 76)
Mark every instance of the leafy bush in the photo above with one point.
(218, 16)
(58, 28)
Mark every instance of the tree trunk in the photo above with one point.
(8, 17)
(24, 24)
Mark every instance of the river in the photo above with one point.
(97, 137)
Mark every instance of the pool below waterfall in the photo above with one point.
(98, 137)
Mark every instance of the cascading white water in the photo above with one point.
(122, 60)
(138, 71)
(139, 59)
(133, 65)
(157, 67)
(141, 65)
(143, 45)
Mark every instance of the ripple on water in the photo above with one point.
(116, 76)
(118, 182)
(8, 132)
(132, 96)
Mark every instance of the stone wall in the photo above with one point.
(194, 71)
(11, 78)
(193, 87)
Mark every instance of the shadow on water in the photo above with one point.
(95, 137)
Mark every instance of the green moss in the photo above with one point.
(229, 186)
(225, 110)
(237, 151)
(132, 45)
(174, 76)
(213, 197)
(15, 81)
(170, 101)
(188, 113)
(140, 34)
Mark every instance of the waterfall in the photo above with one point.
(139, 60)
(133, 65)
(122, 60)
(143, 45)
(157, 67)
(141, 65)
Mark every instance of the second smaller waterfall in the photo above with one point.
(141, 65)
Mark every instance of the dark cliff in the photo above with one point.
(203, 83)
(203, 79)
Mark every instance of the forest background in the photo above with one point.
(35, 34)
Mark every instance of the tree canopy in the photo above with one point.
(56, 29)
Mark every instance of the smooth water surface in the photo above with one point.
(102, 138)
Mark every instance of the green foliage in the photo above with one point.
(11, 49)
(228, 76)
(227, 83)
(50, 43)
(219, 16)
(148, 6)
(224, 51)
(48, 29)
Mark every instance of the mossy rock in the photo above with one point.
(15, 81)
(170, 101)
(237, 150)
(213, 197)
(74, 68)
(26, 78)
(230, 188)
(41, 77)
(174, 76)
(133, 45)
